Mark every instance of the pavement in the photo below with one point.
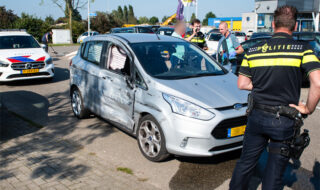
(43, 146)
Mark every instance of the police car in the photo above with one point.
(22, 57)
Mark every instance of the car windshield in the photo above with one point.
(18, 42)
(215, 37)
(175, 60)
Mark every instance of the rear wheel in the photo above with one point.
(77, 105)
(151, 139)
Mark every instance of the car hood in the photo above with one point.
(208, 92)
(23, 55)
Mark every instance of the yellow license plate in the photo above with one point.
(27, 71)
(236, 131)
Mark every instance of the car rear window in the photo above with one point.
(240, 34)
(145, 30)
(215, 37)
(18, 42)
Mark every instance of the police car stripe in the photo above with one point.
(275, 62)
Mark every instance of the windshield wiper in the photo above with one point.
(200, 75)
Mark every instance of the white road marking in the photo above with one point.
(71, 54)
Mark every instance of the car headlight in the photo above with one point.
(188, 109)
(2, 64)
(49, 61)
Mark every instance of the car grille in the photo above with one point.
(221, 130)
(27, 65)
(28, 75)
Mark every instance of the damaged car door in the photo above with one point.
(115, 87)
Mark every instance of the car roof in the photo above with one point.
(138, 37)
(14, 33)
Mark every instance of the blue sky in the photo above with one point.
(159, 8)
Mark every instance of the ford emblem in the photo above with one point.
(238, 106)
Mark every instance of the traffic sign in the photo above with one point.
(93, 14)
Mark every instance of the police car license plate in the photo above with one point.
(27, 71)
(236, 131)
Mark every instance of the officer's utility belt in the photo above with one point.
(295, 146)
(285, 111)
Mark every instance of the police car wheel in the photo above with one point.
(151, 140)
(77, 104)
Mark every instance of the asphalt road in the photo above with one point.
(47, 104)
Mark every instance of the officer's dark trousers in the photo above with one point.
(262, 126)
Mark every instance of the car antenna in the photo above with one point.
(158, 36)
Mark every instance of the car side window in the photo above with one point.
(92, 51)
(118, 61)
(139, 80)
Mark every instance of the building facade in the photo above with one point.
(234, 23)
(308, 18)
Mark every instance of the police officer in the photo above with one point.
(272, 71)
(195, 36)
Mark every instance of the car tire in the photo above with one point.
(151, 140)
(77, 104)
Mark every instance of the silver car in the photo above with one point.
(165, 91)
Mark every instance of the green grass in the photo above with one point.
(125, 170)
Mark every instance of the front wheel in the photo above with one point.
(151, 139)
(77, 105)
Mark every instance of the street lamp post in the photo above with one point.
(88, 17)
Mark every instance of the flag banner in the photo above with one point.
(180, 11)
(189, 3)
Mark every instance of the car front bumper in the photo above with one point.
(190, 137)
(8, 74)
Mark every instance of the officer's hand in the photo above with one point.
(302, 108)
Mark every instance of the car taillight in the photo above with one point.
(246, 38)
(70, 63)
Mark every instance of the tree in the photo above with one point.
(153, 20)
(7, 18)
(125, 14)
(208, 15)
(75, 14)
(164, 18)
(70, 6)
(103, 22)
(120, 13)
(49, 20)
(34, 26)
(131, 18)
(193, 16)
(143, 20)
